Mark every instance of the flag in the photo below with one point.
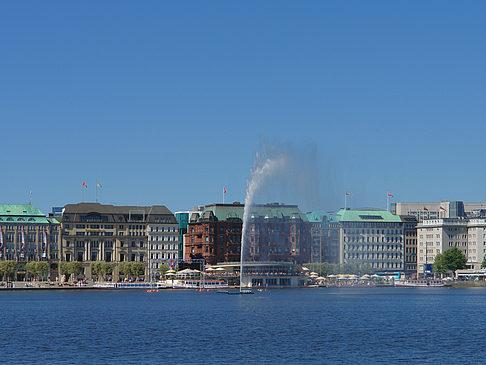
(84, 184)
(443, 209)
(44, 243)
(390, 195)
(224, 190)
(99, 185)
(347, 194)
(425, 209)
(23, 244)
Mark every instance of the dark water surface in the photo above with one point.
(349, 326)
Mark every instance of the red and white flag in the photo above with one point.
(347, 194)
(84, 184)
(390, 195)
(224, 190)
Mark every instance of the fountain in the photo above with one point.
(262, 170)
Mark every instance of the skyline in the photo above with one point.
(168, 103)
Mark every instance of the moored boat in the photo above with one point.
(419, 283)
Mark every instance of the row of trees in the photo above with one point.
(38, 269)
(103, 269)
(7, 268)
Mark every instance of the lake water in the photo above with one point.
(348, 326)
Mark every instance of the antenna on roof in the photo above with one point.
(30, 197)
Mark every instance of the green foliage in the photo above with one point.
(101, 269)
(43, 268)
(163, 269)
(483, 264)
(38, 269)
(451, 260)
(325, 268)
(133, 268)
(31, 268)
(7, 268)
(138, 268)
(73, 268)
(125, 268)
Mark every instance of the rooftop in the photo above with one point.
(367, 216)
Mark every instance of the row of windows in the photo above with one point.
(163, 238)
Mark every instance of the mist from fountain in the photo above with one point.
(263, 169)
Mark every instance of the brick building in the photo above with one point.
(276, 232)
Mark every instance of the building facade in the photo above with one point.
(276, 232)
(26, 234)
(410, 243)
(183, 218)
(92, 232)
(435, 236)
(373, 238)
(324, 237)
(437, 210)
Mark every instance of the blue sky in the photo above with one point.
(167, 102)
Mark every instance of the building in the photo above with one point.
(26, 234)
(369, 237)
(183, 218)
(444, 209)
(276, 232)
(93, 231)
(324, 239)
(410, 243)
(435, 236)
(215, 234)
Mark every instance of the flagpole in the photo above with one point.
(345, 200)
(223, 195)
(387, 201)
(96, 192)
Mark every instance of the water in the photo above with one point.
(343, 326)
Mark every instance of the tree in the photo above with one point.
(7, 268)
(163, 269)
(76, 268)
(101, 269)
(31, 268)
(451, 260)
(124, 268)
(65, 268)
(71, 269)
(108, 268)
(42, 269)
(483, 264)
(97, 268)
(138, 268)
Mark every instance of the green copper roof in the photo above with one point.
(367, 216)
(227, 211)
(318, 216)
(21, 213)
(20, 209)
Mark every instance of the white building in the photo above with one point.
(163, 238)
(435, 210)
(435, 236)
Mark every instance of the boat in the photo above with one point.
(196, 284)
(236, 292)
(419, 283)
